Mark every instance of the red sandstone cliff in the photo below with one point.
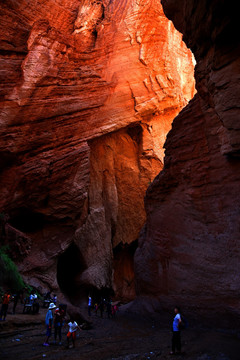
(88, 93)
(189, 249)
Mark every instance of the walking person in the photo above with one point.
(49, 322)
(101, 307)
(89, 305)
(109, 308)
(16, 297)
(73, 326)
(5, 302)
(58, 323)
(176, 337)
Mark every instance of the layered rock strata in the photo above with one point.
(88, 93)
(189, 248)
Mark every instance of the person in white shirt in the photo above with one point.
(73, 327)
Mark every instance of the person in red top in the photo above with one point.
(58, 323)
(5, 302)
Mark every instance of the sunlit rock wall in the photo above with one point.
(189, 248)
(88, 93)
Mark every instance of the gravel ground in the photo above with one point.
(127, 337)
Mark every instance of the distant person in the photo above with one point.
(176, 337)
(24, 295)
(31, 297)
(101, 307)
(35, 303)
(114, 310)
(54, 299)
(48, 295)
(109, 308)
(73, 327)
(89, 305)
(96, 307)
(16, 297)
(49, 322)
(5, 302)
(58, 323)
(47, 299)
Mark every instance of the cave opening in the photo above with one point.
(70, 266)
(123, 267)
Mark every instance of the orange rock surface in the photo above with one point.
(88, 93)
(189, 249)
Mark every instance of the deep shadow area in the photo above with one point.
(70, 265)
(27, 220)
(69, 268)
(123, 265)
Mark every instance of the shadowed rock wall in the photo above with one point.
(189, 248)
(88, 93)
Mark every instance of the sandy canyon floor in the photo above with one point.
(127, 337)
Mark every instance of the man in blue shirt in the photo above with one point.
(89, 305)
(48, 322)
(176, 338)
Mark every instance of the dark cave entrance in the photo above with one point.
(70, 266)
(69, 269)
(124, 276)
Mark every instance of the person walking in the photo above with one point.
(16, 297)
(5, 302)
(58, 323)
(89, 305)
(109, 308)
(176, 337)
(49, 322)
(101, 307)
(73, 326)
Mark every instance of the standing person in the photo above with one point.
(89, 305)
(101, 307)
(48, 322)
(73, 326)
(35, 304)
(5, 301)
(114, 310)
(58, 323)
(109, 308)
(176, 338)
(55, 299)
(16, 297)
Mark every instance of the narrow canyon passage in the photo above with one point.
(120, 172)
(89, 92)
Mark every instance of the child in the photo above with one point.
(73, 326)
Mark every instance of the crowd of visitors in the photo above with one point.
(56, 318)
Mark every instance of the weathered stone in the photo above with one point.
(189, 249)
(71, 73)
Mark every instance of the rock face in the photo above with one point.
(189, 248)
(88, 93)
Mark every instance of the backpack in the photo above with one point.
(183, 324)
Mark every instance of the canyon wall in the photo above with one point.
(189, 248)
(88, 93)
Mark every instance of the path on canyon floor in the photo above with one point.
(128, 337)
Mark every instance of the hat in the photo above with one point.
(51, 306)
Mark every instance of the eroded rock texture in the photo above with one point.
(189, 248)
(88, 93)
